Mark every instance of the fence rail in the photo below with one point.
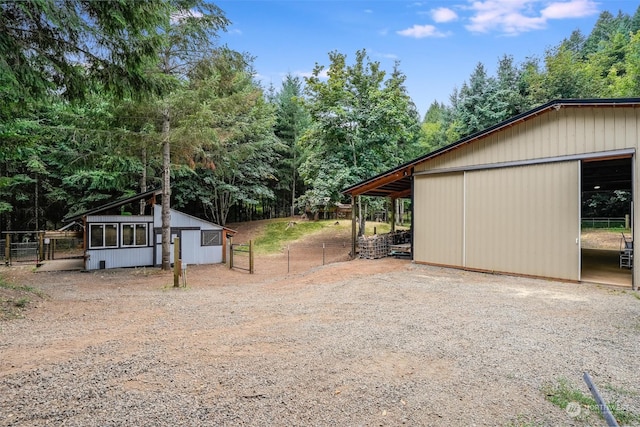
(304, 256)
(605, 223)
(33, 246)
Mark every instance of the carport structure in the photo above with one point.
(508, 199)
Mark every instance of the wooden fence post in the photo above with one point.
(177, 264)
(7, 250)
(250, 256)
(40, 247)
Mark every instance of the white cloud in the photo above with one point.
(570, 9)
(422, 31)
(513, 17)
(368, 11)
(443, 14)
(383, 32)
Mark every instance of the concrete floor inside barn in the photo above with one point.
(603, 266)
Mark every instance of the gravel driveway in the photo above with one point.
(365, 342)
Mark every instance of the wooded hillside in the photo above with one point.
(99, 102)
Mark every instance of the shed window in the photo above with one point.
(103, 236)
(211, 237)
(134, 234)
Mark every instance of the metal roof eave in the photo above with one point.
(368, 187)
(113, 204)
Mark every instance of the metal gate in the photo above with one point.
(241, 256)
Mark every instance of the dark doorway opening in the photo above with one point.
(606, 220)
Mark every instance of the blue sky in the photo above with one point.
(437, 43)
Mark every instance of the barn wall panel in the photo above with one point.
(438, 219)
(567, 131)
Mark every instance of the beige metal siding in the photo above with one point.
(524, 220)
(567, 131)
(438, 219)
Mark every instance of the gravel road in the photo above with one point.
(360, 343)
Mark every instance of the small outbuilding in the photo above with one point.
(116, 238)
(508, 199)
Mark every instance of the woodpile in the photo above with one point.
(373, 247)
(399, 237)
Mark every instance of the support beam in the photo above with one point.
(394, 176)
(394, 202)
(353, 227)
(401, 194)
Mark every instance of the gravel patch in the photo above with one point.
(407, 345)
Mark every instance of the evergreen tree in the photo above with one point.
(291, 122)
(62, 46)
(603, 29)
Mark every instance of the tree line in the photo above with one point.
(101, 100)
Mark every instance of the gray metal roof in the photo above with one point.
(113, 204)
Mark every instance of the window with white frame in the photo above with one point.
(134, 234)
(103, 236)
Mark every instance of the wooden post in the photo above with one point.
(7, 250)
(224, 246)
(177, 264)
(353, 227)
(40, 246)
(323, 254)
(250, 256)
(230, 252)
(394, 202)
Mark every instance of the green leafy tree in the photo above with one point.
(622, 79)
(564, 76)
(362, 124)
(188, 35)
(433, 128)
(225, 107)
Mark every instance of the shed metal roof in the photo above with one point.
(113, 204)
(396, 182)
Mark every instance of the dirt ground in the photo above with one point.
(602, 239)
(364, 342)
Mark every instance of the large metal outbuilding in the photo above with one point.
(508, 199)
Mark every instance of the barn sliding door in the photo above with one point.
(524, 220)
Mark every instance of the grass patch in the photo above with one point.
(583, 406)
(278, 234)
(608, 229)
(14, 299)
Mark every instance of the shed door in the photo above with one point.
(524, 220)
